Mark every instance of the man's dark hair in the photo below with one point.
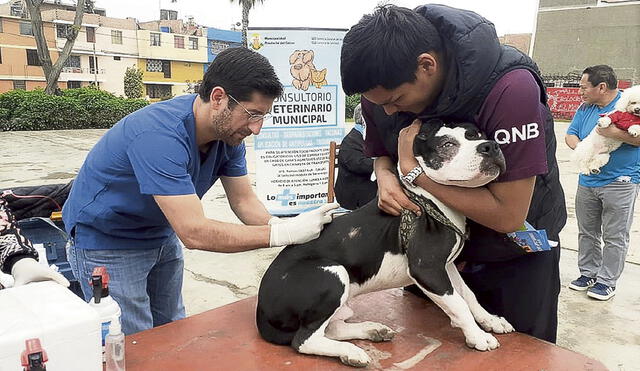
(602, 73)
(382, 49)
(241, 72)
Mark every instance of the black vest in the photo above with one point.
(476, 61)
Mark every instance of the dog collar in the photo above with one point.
(408, 218)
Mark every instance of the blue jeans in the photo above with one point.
(146, 283)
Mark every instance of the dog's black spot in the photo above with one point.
(436, 150)
(472, 133)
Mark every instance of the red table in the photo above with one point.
(226, 338)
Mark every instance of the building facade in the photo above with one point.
(102, 51)
(20, 67)
(574, 34)
(172, 63)
(172, 54)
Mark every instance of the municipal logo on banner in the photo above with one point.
(292, 151)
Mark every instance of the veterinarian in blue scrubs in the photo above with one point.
(441, 62)
(604, 201)
(138, 192)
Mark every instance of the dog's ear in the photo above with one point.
(623, 102)
(308, 56)
(428, 126)
(293, 56)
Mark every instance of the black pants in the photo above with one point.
(523, 290)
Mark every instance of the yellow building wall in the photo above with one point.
(181, 72)
(187, 71)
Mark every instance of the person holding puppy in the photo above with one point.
(604, 201)
(442, 62)
(138, 192)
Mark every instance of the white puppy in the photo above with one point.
(592, 153)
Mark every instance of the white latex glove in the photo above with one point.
(28, 270)
(303, 228)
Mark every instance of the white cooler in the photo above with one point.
(68, 328)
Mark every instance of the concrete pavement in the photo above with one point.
(608, 331)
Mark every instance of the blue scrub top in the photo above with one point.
(152, 151)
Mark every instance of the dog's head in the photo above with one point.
(457, 154)
(299, 58)
(630, 101)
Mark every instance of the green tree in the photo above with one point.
(133, 82)
(351, 102)
(246, 7)
(51, 70)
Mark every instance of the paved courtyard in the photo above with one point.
(609, 331)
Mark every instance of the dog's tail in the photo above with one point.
(271, 333)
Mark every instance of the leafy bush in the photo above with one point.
(133, 86)
(82, 108)
(351, 102)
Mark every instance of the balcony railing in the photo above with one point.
(91, 71)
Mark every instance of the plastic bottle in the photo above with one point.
(114, 347)
(107, 308)
(34, 357)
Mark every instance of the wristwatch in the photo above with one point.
(412, 175)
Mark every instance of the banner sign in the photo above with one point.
(564, 102)
(292, 150)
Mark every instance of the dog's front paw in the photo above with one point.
(482, 341)
(634, 131)
(496, 324)
(381, 333)
(604, 122)
(355, 357)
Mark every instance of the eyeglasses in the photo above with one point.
(252, 116)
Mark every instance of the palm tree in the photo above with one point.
(246, 7)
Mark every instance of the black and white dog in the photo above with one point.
(302, 300)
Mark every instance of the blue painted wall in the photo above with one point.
(218, 40)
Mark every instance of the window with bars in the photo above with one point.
(19, 85)
(93, 64)
(168, 14)
(73, 61)
(156, 91)
(73, 85)
(1, 29)
(63, 30)
(178, 42)
(155, 39)
(166, 68)
(32, 58)
(193, 43)
(154, 65)
(91, 34)
(26, 29)
(116, 37)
